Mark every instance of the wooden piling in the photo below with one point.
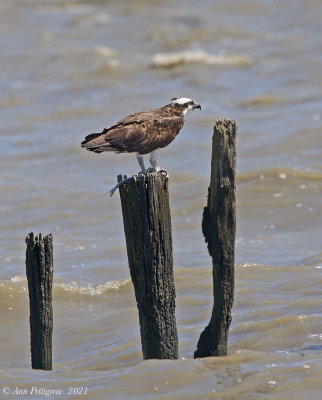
(39, 269)
(147, 227)
(219, 227)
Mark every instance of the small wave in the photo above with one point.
(279, 173)
(93, 290)
(169, 60)
(109, 55)
(19, 283)
(314, 261)
(19, 278)
(104, 51)
(263, 101)
(251, 265)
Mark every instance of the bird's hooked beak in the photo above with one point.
(197, 106)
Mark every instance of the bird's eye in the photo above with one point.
(191, 103)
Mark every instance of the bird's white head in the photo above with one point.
(186, 104)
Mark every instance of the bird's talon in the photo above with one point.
(119, 178)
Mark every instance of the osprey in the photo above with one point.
(143, 132)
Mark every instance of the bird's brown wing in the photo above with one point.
(97, 142)
(141, 132)
(144, 135)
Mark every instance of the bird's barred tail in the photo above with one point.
(96, 142)
(88, 138)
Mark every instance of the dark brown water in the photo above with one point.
(69, 68)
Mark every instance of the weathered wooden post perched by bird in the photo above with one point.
(39, 269)
(219, 227)
(147, 227)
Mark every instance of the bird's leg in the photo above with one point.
(121, 181)
(140, 159)
(153, 161)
